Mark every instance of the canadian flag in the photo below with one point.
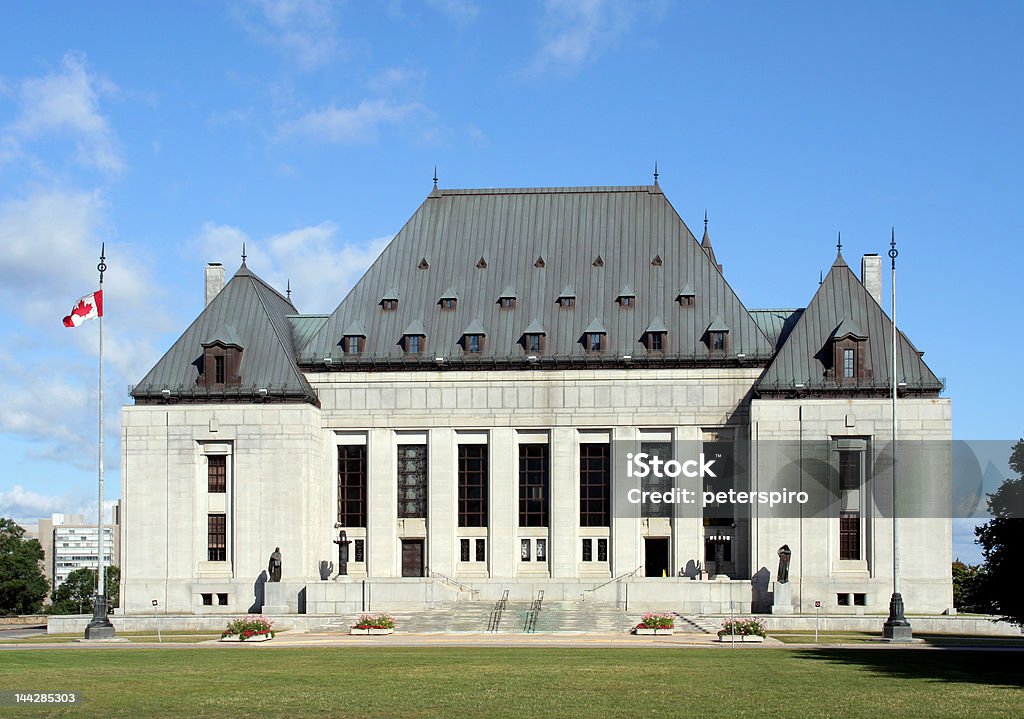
(85, 309)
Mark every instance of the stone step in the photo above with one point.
(553, 617)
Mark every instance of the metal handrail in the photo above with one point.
(613, 579)
(458, 585)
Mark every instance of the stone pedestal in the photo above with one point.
(896, 628)
(783, 598)
(275, 599)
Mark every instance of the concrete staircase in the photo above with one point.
(562, 617)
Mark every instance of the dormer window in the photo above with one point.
(594, 335)
(389, 305)
(222, 360)
(849, 350)
(717, 337)
(532, 340)
(353, 344)
(686, 296)
(414, 338)
(448, 300)
(413, 344)
(626, 298)
(507, 299)
(567, 298)
(473, 338)
(656, 341)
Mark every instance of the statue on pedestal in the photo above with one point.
(274, 567)
(785, 554)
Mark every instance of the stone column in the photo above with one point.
(503, 502)
(564, 503)
(625, 553)
(442, 504)
(687, 524)
(382, 558)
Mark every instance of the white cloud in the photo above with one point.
(575, 32)
(351, 124)
(21, 503)
(66, 103)
(48, 373)
(319, 266)
(304, 30)
(462, 12)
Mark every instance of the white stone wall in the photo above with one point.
(816, 572)
(283, 487)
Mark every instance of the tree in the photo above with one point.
(22, 582)
(1002, 540)
(75, 594)
(968, 588)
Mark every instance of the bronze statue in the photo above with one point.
(274, 567)
(785, 553)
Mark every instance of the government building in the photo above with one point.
(468, 420)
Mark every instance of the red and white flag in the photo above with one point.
(85, 309)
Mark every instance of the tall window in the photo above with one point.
(851, 477)
(716, 341)
(412, 480)
(218, 369)
(849, 535)
(533, 343)
(650, 483)
(217, 537)
(472, 485)
(595, 485)
(533, 485)
(849, 363)
(352, 485)
(216, 473)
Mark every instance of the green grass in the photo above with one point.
(267, 682)
(166, 637)
(939, 640)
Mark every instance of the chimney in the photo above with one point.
(871, 275)
(215, 280)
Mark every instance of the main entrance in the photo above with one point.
(412, 558)
(656, 557)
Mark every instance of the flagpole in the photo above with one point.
(100, 627)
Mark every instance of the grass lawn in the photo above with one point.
(183, 637)
(269, 682)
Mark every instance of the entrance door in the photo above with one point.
(656, 557)
(412, 557)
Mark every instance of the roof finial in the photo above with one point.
(655, 172)
(821, 277)
(243, 253)
(705, 220)
(893, 252)
(288, 291)
(435, 177)
(839, 243)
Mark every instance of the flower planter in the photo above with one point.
(372, 630)
(745, 638)
(658, 632)
(247, 640)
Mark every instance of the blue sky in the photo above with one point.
(310, 130)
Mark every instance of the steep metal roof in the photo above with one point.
(842, 301)
(776, 324)
(262, 322)
(635, 230)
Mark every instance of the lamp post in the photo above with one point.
(342, 541)
(896, 627)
